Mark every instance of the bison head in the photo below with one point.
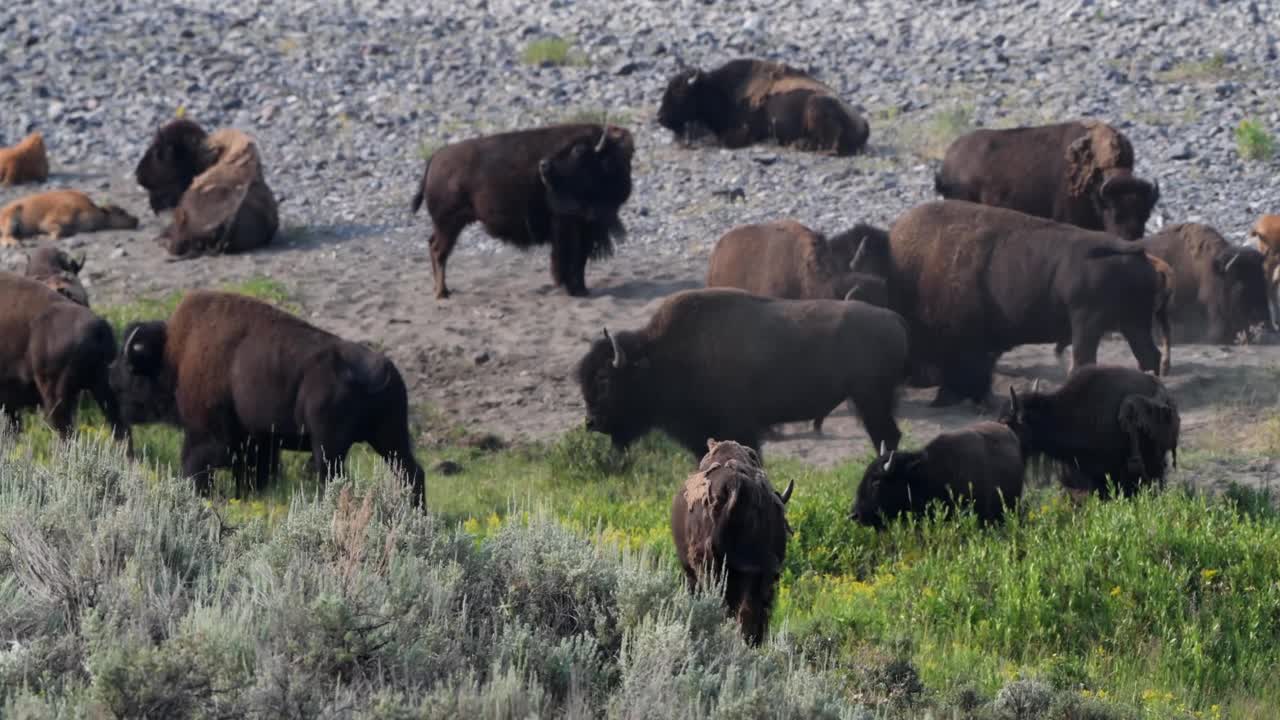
(174, 158)
(1030, 417)
(118, 218)
(1125, 202)
(591, 176)
(885, 490)
(690, 103)
(617, 387)
(1243, 289)
(141, 377)
(68, 286)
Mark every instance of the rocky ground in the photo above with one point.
(348, 98)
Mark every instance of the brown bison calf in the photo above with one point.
(1267, 233)
(749, 101)
(724, 363)
(1076, 172)
(59, 214)
(1103, 422)
(52, 349)
(561, 185)
(59, 271)
(981, 465)
(26, 162)
(244, 379)
(728, 520)
(215, 183)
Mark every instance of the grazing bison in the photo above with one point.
(1267, 233)
(59, 214)
(59, 272)
(561, 185)
(975, 281)
(216, 186)
(26, 162)
(745, 101)
(728, 519)
(981, 465)
(723, 363)
(244, 379)
(1077, 172)
(52, 349)
(1104, 421)
(1220, 290)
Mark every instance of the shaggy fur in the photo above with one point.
(52, 349)
(26, 162)
(727, 519)
(1167, 282)
(59, 214)
(58, 271)
(244, 379)
(781, 259)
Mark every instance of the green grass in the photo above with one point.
(1253, 142)
(159, 307)
(1214, 67)
(931, 139)
(550, 51)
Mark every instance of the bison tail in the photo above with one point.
(416, 203)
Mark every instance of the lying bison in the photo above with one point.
(26, 162)
(51, 350)
(244, 379)
(216, 185)
(723, 363)
(59, 214)
(1266, 232)
(1220, 290)
(561, 185)
(975, 281)
(981, 465)
(728, 520)
(745, 101)
(1103, 422)
(59, 272)
(1077, 172)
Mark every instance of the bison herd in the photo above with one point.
(1039, 237)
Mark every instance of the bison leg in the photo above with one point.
(442, 242)
(110, 406)
(965, 376)
(58, 399)
(201, 455)
(1144, 348)
(1085, 337)
(395, 447)
(875, 409)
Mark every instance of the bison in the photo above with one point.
(1104, 421)
(561, 185)
(59, 271)
(52, 349)
(981, 465)
(746, 101)
(59, 214)
(724, 363)
(244, 379)
(728, 520)
(1220, 290)
(216, 186)
(26, 162)
(1077, 172)
(975, 281)
(1267, 234)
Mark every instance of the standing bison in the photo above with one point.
(981, 465)
(975, 281)
(1077, 172)
(723, 363)
(561, 185)
(244, 379)
(216, 186)
(1103, 422)
(728, 520)
(745, 101)
(51, 350)
(1219, 290)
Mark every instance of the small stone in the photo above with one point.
(118, 253)
(481, 358)
(1182, 152)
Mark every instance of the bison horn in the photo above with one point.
(1155, 192)
(618, 358)
(786, 494)
(1013, 400)
(130, 348)
(857, 256)
(1102, 190)
(882, 447)
(889, 463)
(604, 132)
(1232, 261)
(1035, 385)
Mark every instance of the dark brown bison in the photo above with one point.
(59, 271)
(215, 184)
(1220, 290)
(1266, 232)
(975, 281)
(981, 465)
(1103, 422)
(561, 185)
(723, 363)
(745, 101)
(728, 520)
(244, 379)
(1077, 172)
(52, 349)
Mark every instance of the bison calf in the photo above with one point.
(244, 379)
(59, 271)
(749, 101)
(26, 162)
(728, 520)
(59, 214)
(1104, 421)
(1267, 234)
(561, 185)
(981, 465)
(51, 350)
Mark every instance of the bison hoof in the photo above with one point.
(443, 294)
(577, 291)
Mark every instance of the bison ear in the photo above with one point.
(76, 264)
(1080, 166)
